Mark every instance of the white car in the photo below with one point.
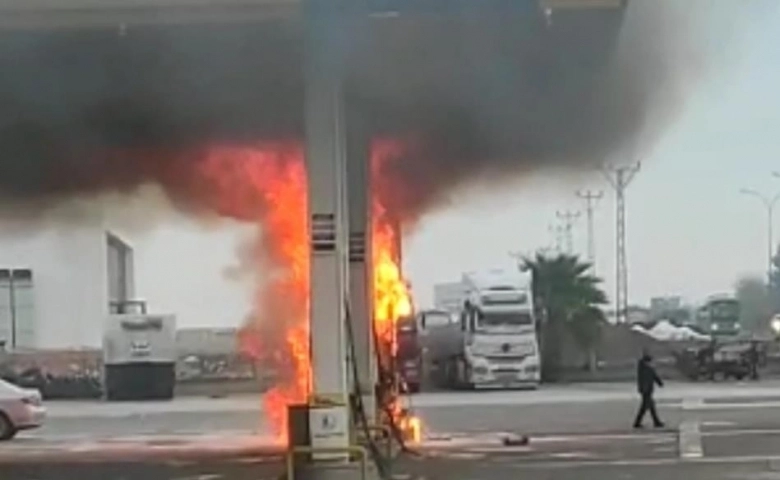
(20, 409)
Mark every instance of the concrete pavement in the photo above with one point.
(715, 431)
(588, 408)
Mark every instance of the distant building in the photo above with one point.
(672, 308)
(56, 283)
(206, 341)
(659, 306)
(634, 315)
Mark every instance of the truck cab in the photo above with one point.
(489, 339)
(500, 328)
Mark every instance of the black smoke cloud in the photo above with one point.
(482, 95)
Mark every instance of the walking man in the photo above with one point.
(646, 380)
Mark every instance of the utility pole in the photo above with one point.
(769, 203)
(591, 198)
(568, 218)
(620, 177)
(557, 232)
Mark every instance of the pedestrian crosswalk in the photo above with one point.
(690, 440)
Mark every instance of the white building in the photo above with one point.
(56, 284)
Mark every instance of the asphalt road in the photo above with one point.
(560, 409)
(725, 431)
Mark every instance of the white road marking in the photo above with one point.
(718, 423)
(656, 437)
(207, 476)
(756, 476)
(737, 432)
(690, 440)
(571, 455)
(733, 406)
(692, 403)
(648, 462)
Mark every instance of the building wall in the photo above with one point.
(69, 283)
(207, 341)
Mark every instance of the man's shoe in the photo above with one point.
(639, 427)
(660, 425)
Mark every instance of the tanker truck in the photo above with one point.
(408, 356)
(482, 333)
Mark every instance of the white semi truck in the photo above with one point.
(483, 333)
(139, 353)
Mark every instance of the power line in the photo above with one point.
(568, 218)
(620, 177)
(591, 198)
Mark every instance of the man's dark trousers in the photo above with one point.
(648, 405)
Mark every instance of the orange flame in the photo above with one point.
(392, 299)
(266, 184)
(391, 293)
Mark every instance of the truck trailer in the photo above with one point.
(483, 332)
(139, 354)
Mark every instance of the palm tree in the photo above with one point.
(567, 297)
(585, 327)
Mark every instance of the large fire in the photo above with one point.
(392, 299)
(266, 184)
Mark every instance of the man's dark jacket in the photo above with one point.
(646, 377)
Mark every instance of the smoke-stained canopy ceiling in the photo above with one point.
(486, 90)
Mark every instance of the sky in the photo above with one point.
(690, 231)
